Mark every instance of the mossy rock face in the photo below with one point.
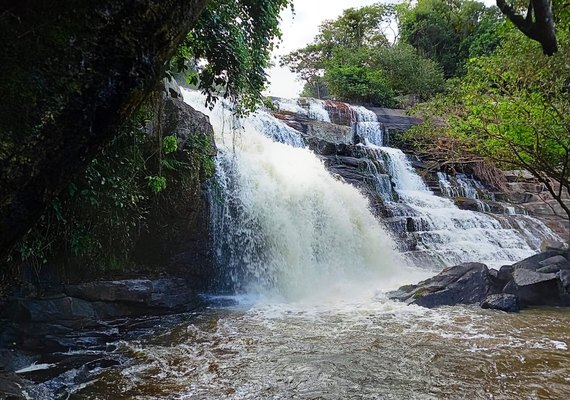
(177, 237)
(420, 292)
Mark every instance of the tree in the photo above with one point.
(538, 24)
(512, 108)
(353, 60)
(69, 85)
(234, 41)
(442, 30)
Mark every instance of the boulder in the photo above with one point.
(467, 283)
(506, 273)
(532, 263)
(552, 245)
(534, 288)
(554, 264)
(502, 302)
(167, 293)
(11, 387)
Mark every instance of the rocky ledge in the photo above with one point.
(30, 323)
(541, 280)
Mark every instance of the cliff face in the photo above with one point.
(72, 73)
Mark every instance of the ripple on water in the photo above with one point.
(360, 350)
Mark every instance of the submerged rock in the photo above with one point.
(502, 302)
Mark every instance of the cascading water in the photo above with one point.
(448, 233)
(367, 126)
(285, 225)
(309, 107)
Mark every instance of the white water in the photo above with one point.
(309, 107)
(367, 126)
(454, 235)
(284, 225)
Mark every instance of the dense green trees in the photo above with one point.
(445, 31)
(513, 108)
(361, 58)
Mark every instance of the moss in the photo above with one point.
(420, 293)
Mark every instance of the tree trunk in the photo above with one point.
(72, 72)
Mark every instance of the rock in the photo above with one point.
(534, 288)
(506, 273)
(172, 89)
(554, 264)
(525, 277)
(11, 387)
(532, 263)
(564, 277)
(552, 245)
(177, 237)
(167, 293)
(467, 283)
(59, 309)
(502, 301)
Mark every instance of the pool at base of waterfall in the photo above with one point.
(368, 348)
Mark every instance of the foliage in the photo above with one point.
(352, 59)
(512, 107)
(450, 31)
(97, 220)
(229, 49)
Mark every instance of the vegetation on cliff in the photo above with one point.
(77, 151)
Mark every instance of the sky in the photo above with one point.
(300, 29)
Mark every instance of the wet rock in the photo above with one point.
(168, 293)
(505, 273)
(467, 283)
(11, 387)
(552, 245)
(177, 234)
(502, 301)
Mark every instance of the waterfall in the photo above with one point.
(282, 224)
(451, 235)
(367, 126)
(309, 107)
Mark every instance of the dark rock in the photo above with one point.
(502, 301)
(467, 283)
(506, 273)
(532, 263)
(177, 237)
(564, 277)
(533, 288)
(564, 286)
(167, 293)
(554, 264)
(11, 387)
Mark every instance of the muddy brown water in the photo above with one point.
(374, 349)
